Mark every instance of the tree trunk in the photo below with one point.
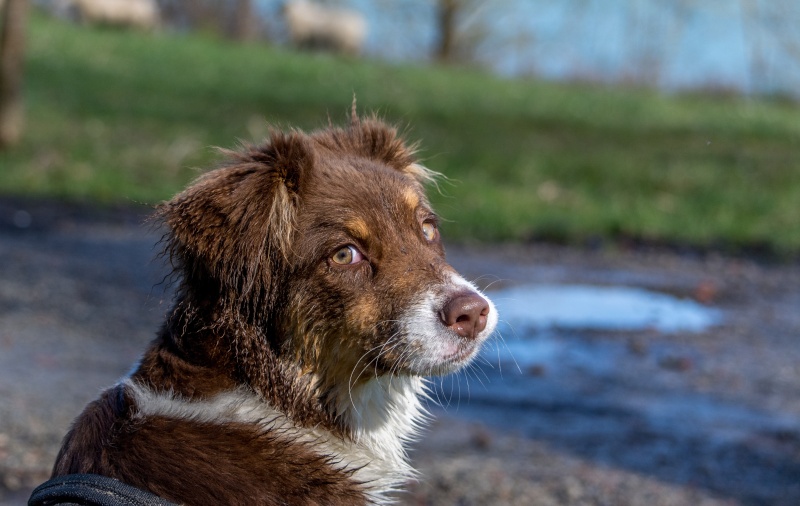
(245, 24)
(446, 19)
(12, 55)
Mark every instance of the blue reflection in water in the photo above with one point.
(600, 307)
(529, 314)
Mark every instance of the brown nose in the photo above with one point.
(466, 314)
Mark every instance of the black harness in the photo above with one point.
(92, 490)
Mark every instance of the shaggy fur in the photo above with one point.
(314, 297)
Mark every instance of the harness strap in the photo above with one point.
(91, 490)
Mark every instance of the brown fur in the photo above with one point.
(262, 307)
(153, 454)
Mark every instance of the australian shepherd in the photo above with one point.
(314, 297)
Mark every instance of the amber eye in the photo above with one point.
(347, 255)
(429, 230)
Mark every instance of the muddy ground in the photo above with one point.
(708, 418)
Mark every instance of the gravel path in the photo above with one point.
(710, 418)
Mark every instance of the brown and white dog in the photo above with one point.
(314, 298)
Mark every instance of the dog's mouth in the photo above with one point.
(457, 351)
(445, 358)
(463, 353)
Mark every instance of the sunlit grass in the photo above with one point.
(117, 116)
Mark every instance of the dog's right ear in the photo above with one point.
(234, 223)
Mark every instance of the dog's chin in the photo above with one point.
(448, 357)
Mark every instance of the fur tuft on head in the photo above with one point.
(372, 138)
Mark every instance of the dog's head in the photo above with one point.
(322, 250)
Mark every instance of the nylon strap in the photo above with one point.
(91, 490)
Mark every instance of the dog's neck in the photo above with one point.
(384, 412)
(380, 414)
(367, 424)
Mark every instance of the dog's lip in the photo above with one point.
(463, 352)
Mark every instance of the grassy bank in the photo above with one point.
(123, 116)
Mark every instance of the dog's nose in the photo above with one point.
(466, 314)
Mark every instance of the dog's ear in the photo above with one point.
(234, 223)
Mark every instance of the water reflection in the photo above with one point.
(600, 307)
(530, 313)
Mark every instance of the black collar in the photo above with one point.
(92, 490)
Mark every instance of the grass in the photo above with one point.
(116, 116)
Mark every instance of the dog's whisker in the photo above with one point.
(498, 280)
(476, 281)
(478, 371)
(396, 367)
(448, 396)
(502, 340)
(375, 359)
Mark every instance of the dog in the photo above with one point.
(313, 298)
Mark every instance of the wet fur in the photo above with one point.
(280, 377)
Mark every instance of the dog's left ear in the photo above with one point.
(234, 223)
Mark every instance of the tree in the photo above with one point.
(12, 55)
(232, 19)
(460, 28)
(446, 17)
(244, 24)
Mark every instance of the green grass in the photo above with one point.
(115, 116)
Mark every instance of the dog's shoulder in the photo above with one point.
(229, 449)
(84, 447)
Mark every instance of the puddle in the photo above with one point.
(599, 307)
(534, 318)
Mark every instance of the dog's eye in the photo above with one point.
(429, 230)
(347, 255)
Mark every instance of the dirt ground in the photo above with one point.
(708, 418)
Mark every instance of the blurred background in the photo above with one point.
(568, 121)
(622, 177)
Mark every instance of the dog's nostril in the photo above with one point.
(466, 314)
